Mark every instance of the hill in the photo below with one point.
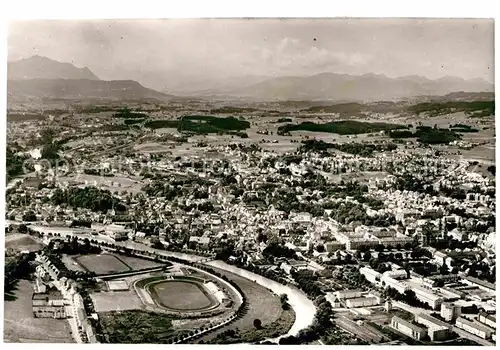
(368, 87)
(82, 89)
(39, 67)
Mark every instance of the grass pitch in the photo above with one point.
(102, 264)
(180, 295)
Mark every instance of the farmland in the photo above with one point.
(102, 264)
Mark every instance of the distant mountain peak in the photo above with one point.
(346, 87)
(41, 67)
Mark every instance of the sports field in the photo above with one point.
(102, 264)
(180, 295)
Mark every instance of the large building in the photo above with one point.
(450, 311)
(370, 274)
(48, 305)
(487, 319)
(349, 293)
(475, 328)
(361, 302)
(437, 329)
(408, 328)
(428, 296)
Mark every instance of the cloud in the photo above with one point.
(291, 56)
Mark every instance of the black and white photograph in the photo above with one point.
(225, 181)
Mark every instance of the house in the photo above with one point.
(48, 305)
(333, 300)
(200, 242)
(291, 264)
(441, 258)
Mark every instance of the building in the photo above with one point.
(487, 286)
(436, 329)
(428, 296)
(334, 246)
(370, 274)
(475, 328)
(487, 319)
(294, 265)
(348, 294)
(333, 300)
(408, 328)
(201, 242)
(48, 305)
(450, 312)
(388, 281)
(387, 306)
(377, 295)
(361, 302)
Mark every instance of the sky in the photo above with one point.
(168, 53)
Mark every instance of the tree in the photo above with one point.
(363, 248)
(257, 323)
(284, 301)
(86, 245)
(320, 248)
(367, 256)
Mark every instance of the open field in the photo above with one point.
(262, 304)
(21, 242)
(180, 295)
(21, 327)
(116, 301)
(102, 264)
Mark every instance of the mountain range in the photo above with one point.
(345, 87)
(39, 76)
(39, 67)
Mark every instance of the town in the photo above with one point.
(417, 224)
(317, 209)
